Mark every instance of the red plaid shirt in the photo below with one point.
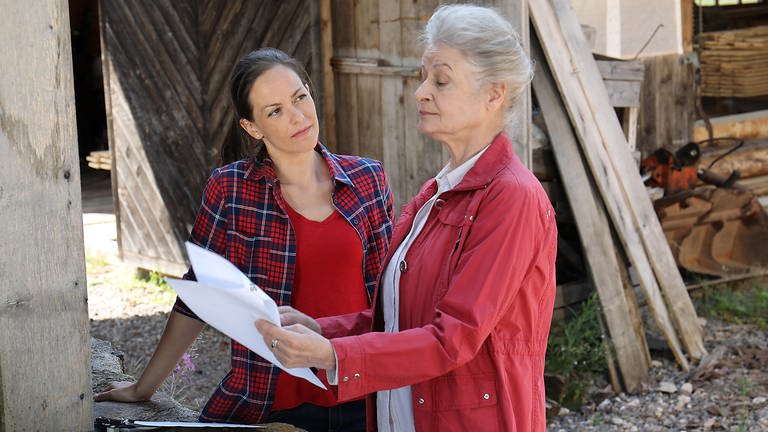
(243, 218)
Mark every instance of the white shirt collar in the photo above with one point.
(449, 177)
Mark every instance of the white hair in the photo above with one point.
(486, 40)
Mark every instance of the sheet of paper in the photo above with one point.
(162, 424)
(226, 299)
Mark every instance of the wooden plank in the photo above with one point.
(594, 230)
(329, 93)
(583, 90)
(686, 18)
(44, 353)
(678, 302)
(746, 126)
(623, 94)
(667, 103)
(393, 99)
(368, 86)
(621, 70)
(344, 45)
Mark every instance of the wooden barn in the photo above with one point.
(608, 93)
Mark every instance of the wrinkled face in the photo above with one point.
(284, 113)
(450, 99)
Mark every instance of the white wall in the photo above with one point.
(624, 26)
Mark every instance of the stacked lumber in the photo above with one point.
(99, 159)
(734, 62)
(600, 174)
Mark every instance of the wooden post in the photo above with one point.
(44, 353)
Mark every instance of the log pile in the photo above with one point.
(734, 62)
(614, 215)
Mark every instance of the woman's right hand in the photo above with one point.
(121, 391)
(290, 316)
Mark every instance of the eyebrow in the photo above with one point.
(436, 65)
(276, 104)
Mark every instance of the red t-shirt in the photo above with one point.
(328, 281)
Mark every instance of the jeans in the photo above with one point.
(347, 417)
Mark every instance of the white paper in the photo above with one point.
(226, 299)
(193, 424)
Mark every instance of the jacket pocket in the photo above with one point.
(464, 392)
(464, 403)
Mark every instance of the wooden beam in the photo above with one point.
(686, 26)
(615, 173)
(329, 93)
(594, 230)
(44, 353)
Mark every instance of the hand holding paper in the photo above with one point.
(226, 299)
(299, 345)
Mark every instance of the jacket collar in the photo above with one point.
(264, 169)
(497, 156)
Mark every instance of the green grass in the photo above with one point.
(576, 353)
(744, 303)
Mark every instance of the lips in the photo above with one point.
(302, 132)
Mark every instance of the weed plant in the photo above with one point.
(576, 353)
(745, 303)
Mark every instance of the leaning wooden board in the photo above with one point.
(615, 171)
(626, 334)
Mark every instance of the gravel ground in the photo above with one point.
(133, 319)
(727, 391)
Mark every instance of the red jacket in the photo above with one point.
(476, 303)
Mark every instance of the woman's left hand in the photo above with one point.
(297, 346)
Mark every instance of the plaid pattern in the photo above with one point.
(243, 218)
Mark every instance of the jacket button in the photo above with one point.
(421, 401)
(486, 396)
(357, 376)
(439, 203)
(403, 266)
(345, 379)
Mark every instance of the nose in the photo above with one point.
(296, 115)
(422, 93)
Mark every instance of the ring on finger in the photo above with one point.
(274, 343)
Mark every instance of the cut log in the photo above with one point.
(745, 126)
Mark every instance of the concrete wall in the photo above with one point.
(622, 27)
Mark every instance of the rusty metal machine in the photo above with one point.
(713, 226)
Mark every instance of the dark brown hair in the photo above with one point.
(248, 69)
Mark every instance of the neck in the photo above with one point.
(302, 170)
(463, 148)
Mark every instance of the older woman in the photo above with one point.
(464, 304)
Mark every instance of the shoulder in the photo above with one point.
(516, 189)
(358, 165)
(234, 176)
